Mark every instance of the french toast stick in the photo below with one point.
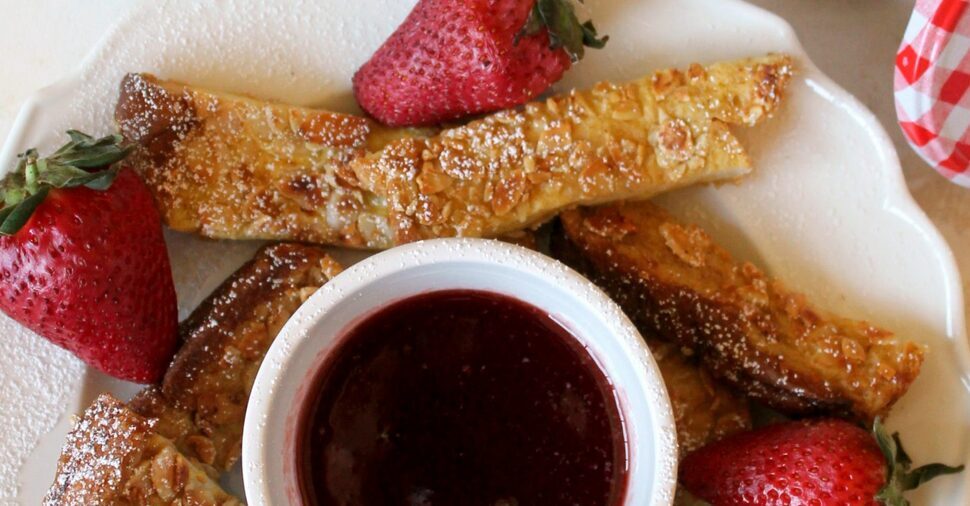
(749, 330)
(226, 166)
(704, 410)
(233, 167)
(201, 403)
(115, 457)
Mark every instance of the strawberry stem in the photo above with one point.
(30, 174)
(70, 166)
(565, 31)
(898, 476)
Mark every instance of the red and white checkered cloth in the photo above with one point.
(931, 81)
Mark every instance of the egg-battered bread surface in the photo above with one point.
(749, 330)
(227, 166)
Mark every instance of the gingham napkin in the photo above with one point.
(931, 80)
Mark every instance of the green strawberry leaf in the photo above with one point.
(17, 216)
(100, 181)
(86, 152)
(94, 156)
(591, 38)
(4, 212)
(13, 195)
(69, 167)
(59, 175)
(69, 176)
(923, 474)
(78, 137)
(901, 456)
(898, 476)
(533, 24)
(886, 444)
(564, 28)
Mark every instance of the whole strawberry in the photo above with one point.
(453, 58)
(821, 462)
(83, 262)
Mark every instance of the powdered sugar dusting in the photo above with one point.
(36, 376)
(97, 451)
(840, 225)
(233, 45)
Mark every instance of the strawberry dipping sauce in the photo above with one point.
(461, 397)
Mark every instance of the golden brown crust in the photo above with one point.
(748, 329)
(525, 238)
(704, 409)
(517, 168)
(229, 167)
(173, 440)
(115, 457)
(202, 401)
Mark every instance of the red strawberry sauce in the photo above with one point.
(461, 397)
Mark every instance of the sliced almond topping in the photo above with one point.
(203, 448)
(673, 142)
(170, 473)
(508, 193)
(690, 244)
(431, 180)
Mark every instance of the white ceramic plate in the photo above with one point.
(827, 209)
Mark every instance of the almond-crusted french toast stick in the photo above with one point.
(749, 330)
(517, 168)
(201, 403)
(116, 457)
(704, 409)
(226, 166)
(233, 167)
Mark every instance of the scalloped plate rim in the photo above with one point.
(896, 197)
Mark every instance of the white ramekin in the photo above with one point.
(269, 436)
